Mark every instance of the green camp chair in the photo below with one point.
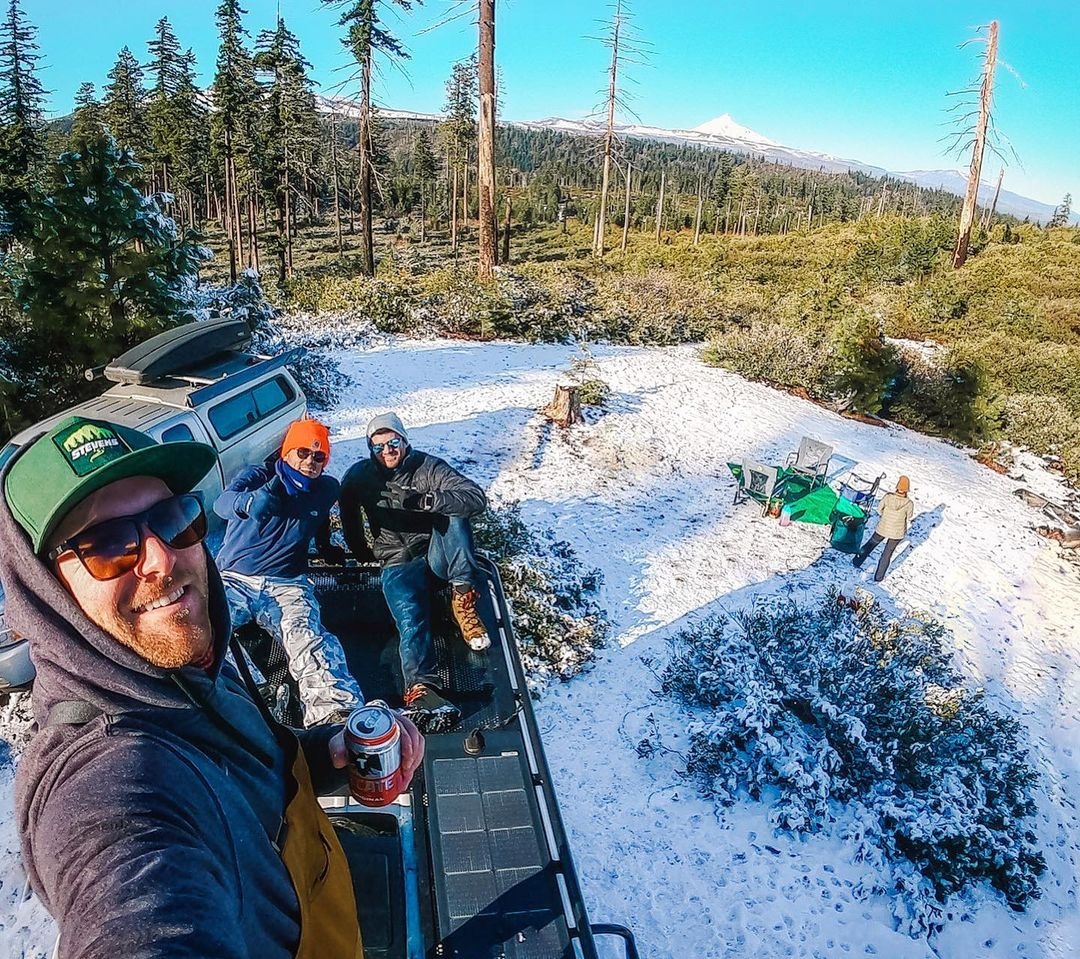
(758, 482)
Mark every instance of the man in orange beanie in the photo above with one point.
(273, 511)
(896, 511)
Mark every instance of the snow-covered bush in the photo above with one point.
(825, 708)
(242, 300)
(776, 354)
(557, 621)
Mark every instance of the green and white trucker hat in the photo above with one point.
(78, 457)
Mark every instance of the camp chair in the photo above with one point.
(759, 483)
(811, 460)
(860, 490)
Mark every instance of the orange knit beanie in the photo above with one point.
(903, 484)
(307, 434)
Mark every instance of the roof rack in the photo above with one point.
(175, 350)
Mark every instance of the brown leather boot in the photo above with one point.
(463, 604)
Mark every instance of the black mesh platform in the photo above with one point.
(498, 895)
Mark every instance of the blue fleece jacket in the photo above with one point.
(270, 525)
(148, 831)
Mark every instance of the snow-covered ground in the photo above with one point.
(643, 493)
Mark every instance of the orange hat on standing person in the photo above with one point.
(309, 435)
(903, 485)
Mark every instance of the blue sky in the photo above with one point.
(867, 81)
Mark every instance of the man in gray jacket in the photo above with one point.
(418, 508)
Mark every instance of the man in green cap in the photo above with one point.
(161, 810)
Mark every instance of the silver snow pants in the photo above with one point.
(288, 610)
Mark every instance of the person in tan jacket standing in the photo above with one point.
(896, 511)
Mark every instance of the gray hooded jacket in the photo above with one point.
(401, 530)
(148, 831)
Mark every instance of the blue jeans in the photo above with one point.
(450, 557)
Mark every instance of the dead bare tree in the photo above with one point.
(488, 237)
(976, 138)
(660, 207)
(625, 48)
(989, 215)
(697, 216)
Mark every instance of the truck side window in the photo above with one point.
(177, 434)
(7, 452)
(237, 413)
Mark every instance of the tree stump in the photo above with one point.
(565, 406)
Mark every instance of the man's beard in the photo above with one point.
(169, 642)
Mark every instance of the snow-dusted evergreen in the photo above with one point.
(813, 708)
(557, 621)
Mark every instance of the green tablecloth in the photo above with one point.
(803, 504)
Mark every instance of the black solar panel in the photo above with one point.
(498, 894)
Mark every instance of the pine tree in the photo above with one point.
(189, 142)
(233, 125)
(125, 104)
(165, 73)
(485, 165)
(364, 37)
(290, 131)
(22, 101)
(103, 269)
(458, 131)
(1062, 212)
(88, 124)
(423, 174)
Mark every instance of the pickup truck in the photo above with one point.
(473, 862)
(196, 381)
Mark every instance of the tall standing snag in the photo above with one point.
(623, 45)
(986, 93)
(486, 140)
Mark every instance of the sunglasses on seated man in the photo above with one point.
(317, 455)
(113, 547)
(395, 444)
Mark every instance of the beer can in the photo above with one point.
(373, 739)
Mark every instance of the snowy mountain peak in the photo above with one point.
(725, 126)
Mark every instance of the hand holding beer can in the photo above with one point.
(373, 739)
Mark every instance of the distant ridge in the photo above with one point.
(725, 133)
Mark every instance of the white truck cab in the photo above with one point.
(193, 382)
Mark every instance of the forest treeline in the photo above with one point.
(259, 146)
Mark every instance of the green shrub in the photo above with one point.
(948, 396)
(557, 621)
(1039, 421)
(594, 393)
(864, 366)
(658, 307)
(774, 354)
(812, 707)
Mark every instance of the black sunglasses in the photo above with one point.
(395, 444)
(318, 455)
(111, 548)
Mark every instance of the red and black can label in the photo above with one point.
(373, 739)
